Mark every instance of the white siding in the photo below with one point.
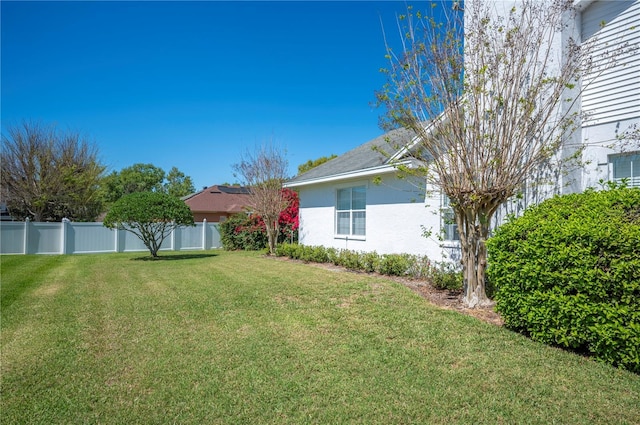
(613, 98)
(613, 94)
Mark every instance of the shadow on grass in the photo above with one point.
(172, 257)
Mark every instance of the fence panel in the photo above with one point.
(212, 233)
(128, 242)
(44, 238)
(80, 238)
(84, 238)
(12, 237)
(189, 237)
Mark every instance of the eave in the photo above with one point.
(368, 172)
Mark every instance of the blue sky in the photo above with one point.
(196, 84)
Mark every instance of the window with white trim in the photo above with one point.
(626, 166)
(351, 214)
(449, 226)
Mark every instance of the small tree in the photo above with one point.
(490, 96)
(151, 216)
(264, 171)
(48, 174)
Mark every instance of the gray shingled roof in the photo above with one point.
(363, 157)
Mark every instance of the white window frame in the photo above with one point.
(633, 159)
(449, 225)
(351, 214)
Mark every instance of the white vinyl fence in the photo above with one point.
(24, 237)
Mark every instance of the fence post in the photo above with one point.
(204, 234)
(116, 241)
(26, 236)
(63, 238)
(173, 239)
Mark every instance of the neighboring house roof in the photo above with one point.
(4, 212)
(375, 156)
(228, 199)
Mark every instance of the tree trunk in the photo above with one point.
(272, 234)
(473, 236)
(153, 248)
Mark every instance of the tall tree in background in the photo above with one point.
(490, 94)
(264, 170)
(48, 174)
(145, 178)
(310, 164)
(133, 179)
(177, 184)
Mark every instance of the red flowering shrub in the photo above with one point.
(248, 232)
(289, 220)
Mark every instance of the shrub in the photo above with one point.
(243, 232)
(289, 220)
(394, 264)
(420, 267)
(350, 259)
(314, 254)
(370, 262)
(332, 255)
(442, 275)
(288, 250)
(446, 276)
(567, 273)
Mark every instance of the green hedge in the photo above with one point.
(442, 275)
(567, 273)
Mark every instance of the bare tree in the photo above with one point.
(264, 170)
(490, 95)
(48, 174)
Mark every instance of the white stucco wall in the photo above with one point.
(396, 211)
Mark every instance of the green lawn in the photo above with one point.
(218, 337)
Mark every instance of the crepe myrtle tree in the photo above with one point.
(490, 95)
(264, 170)
(151, 216)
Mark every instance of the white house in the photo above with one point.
(358, 202)
(612, 99)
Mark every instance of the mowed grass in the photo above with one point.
(235, 338)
